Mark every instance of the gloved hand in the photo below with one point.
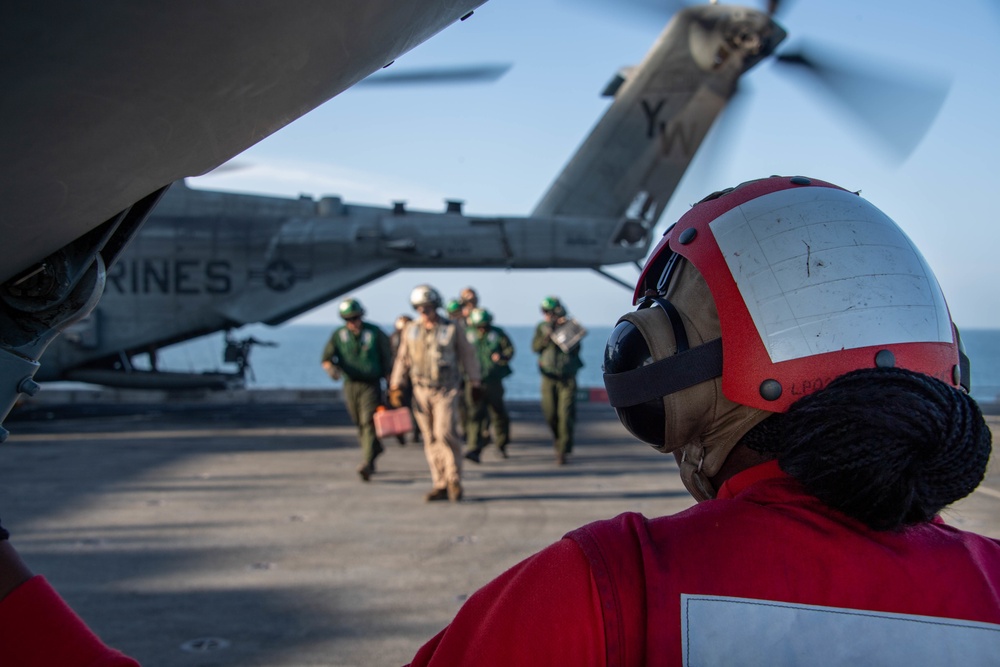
(395, 397)
(477, 393)
(331, 370)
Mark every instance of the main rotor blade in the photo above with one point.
(438, 75)
(228, 167)
(635, 10)
(894, 104)
(664, 9)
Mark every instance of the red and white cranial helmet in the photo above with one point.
(767, 292)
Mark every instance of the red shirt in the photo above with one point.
(38, 629)
(763, 574)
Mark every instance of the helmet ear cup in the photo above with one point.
(692, 419)
(687, 413)
(676, 419)
(627, 349)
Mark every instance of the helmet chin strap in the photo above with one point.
(691, 461)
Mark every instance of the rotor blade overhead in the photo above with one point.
(894, 105)
(664, 9)
(229, 167)
(639, 10)
(484, 73)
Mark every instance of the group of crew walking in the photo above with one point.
(448, 368)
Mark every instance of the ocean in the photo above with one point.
(294, 361)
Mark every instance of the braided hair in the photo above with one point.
(887, 446)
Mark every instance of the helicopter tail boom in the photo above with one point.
(633, 159)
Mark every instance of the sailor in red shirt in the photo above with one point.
(793, 350)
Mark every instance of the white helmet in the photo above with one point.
(760, 295)
(423, 295)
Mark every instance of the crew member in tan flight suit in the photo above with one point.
(433, 355)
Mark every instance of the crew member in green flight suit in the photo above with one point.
(494, 350)
(558, 368)
(360, 352)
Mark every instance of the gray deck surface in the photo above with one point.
(192, 534)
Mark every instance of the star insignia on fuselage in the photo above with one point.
(279, 275)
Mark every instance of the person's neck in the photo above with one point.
(740, 459)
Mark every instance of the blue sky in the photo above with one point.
(498, 146)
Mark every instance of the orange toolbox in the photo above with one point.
(392, 422)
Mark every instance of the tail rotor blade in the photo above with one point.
(894, 105)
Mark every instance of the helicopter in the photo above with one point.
(208, 261)
(107, 104)
(213, 261)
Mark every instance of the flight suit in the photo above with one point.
(558, 369)
(432, 360)
(364, 360)
(491, 404)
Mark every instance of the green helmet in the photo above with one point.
(453, 306)
(351, 308)
(550, 304)
(480, 317)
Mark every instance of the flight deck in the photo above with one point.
(238, 532)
